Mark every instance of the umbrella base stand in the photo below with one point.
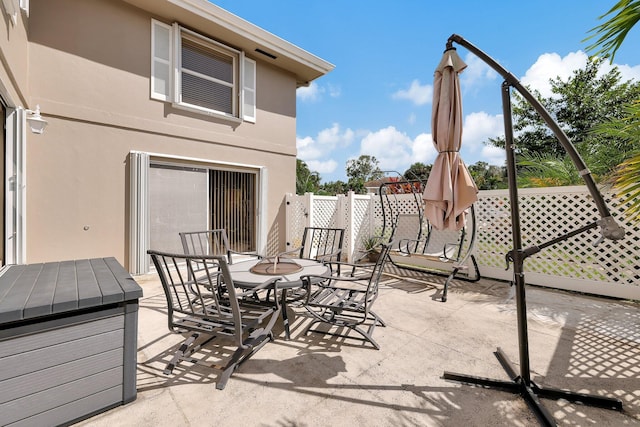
(531, 392)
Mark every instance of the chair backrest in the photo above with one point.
(322, 244)
(412, 228)
(207, 242)
(374, 280)
(447, 245)
(193, 304)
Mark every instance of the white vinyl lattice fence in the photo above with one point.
(610, 269)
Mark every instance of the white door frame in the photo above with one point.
(139, 163)
(15, 186)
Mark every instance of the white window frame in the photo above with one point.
(243, 98)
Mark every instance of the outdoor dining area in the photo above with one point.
(298, 377)
(323, 334)
(315, 336)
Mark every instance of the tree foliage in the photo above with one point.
(579, 104)
(622, 17)
(547, 170)
(333, 187)
(488, 177)
(306, 180)
(361, 170)
(626, 177)
(418, 171)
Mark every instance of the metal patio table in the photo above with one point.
(246, 275)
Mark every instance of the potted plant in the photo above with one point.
(370, 247)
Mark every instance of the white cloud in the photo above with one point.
(328, 166)
(423, 149)
(478, 127)
(309, 93)
(314, 92)
(476, 74)
(334, 91)
(395, 150)
(417, 93)
(493, 155)
(307, 149)
(629, 73)
(333, 136)
(551, 66)
(318, 152)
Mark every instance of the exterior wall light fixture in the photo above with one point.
(36, 122)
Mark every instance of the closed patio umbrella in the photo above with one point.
(450, 189)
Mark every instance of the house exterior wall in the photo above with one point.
(14, 59)
(89, 70)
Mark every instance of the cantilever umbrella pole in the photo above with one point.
(522, 383)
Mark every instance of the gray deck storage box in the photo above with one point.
(68, 341)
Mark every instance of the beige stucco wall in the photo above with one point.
(89, 71)
(14, 60)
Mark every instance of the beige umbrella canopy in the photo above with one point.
(450, 189)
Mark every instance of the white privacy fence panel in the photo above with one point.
(611, 268)
(351, 212)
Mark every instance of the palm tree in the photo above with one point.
(546, 170)
(622, 17)
(626, 177)
(625, 14)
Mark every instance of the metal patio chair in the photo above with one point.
(193, 309)
(346, 301)
(431, 248)
(319, 243)
(420, 246)
(211, 242)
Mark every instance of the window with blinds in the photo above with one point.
(207, 77)
(202, 75)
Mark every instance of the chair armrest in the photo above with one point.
(231, 253)
(324, 277)
(290, 252)
(403, 245)
(251, 253)
(342, 267)
(271, 283)
(327, 257)
(445, 251)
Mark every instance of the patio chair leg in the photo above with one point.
(367, 335)
(285, 315)
(446, 284)
(240, 356)
(185, 351)
(378, 319)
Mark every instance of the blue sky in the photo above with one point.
(377, 101)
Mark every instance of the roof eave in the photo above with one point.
(218, 23)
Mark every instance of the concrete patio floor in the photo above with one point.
(581, 343)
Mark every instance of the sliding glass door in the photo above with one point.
(178, 201)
